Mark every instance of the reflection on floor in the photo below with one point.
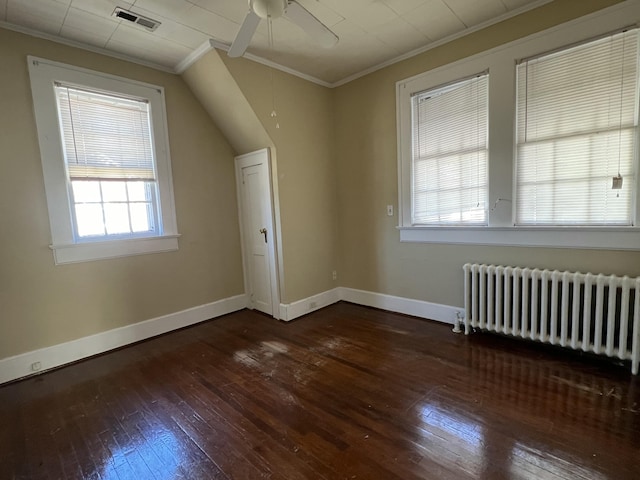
(155, 452)
(344, 393)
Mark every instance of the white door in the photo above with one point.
(257, 228)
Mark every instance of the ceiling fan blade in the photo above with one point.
(310, 24)
(244, 36)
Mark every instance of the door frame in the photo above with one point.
(244, 161)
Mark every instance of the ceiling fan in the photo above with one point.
(270, 9)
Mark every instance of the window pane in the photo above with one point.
(449, 143)
(89, 220)
(137, 191)
(114, 191)
(120, 216)
(86, 191)
(141, 214)
(116, 218)
(568, 181)
(576, 130)
(105, 136)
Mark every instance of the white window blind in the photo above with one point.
(449, 154)
(105, 136)
(107, 140)
(576, 130)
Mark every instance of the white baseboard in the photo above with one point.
(19, 366)
(290, 311)
(408, 306)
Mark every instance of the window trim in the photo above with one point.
(66, 249)
(599, 238)
(501, 63)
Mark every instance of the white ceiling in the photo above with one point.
(371, 32)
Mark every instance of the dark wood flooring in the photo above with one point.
(344, 393)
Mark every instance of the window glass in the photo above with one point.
(577, 131)
(449, 161)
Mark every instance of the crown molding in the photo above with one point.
(84, 46)
(442, 41)
(196, 55)
(211, 44)
(205, 47)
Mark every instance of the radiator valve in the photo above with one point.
(456, 324)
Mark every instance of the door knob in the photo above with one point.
(264, 232)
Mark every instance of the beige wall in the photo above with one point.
(336, 172)
(42, 304)
(371, 256)
(217, 91)
(306, 172)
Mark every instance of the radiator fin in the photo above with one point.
(583, 311)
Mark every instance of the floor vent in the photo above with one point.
(141, 20)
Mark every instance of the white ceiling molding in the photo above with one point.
(205, 47)
(84, 46)
(179, 68)
(442, 41)
(282, 68)
(198, 53)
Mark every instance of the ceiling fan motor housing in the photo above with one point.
(268, 8)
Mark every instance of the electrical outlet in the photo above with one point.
(334, 275)
(35, 366)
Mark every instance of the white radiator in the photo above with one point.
(582, 311)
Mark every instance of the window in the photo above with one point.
(106, 163)
(449, 161)
(108, 155)
(576, 134)
(561, 137)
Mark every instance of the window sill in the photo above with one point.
(608, 238)
(85, 252)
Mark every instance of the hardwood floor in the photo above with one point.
(344, 393)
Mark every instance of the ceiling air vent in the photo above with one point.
(141, 20)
